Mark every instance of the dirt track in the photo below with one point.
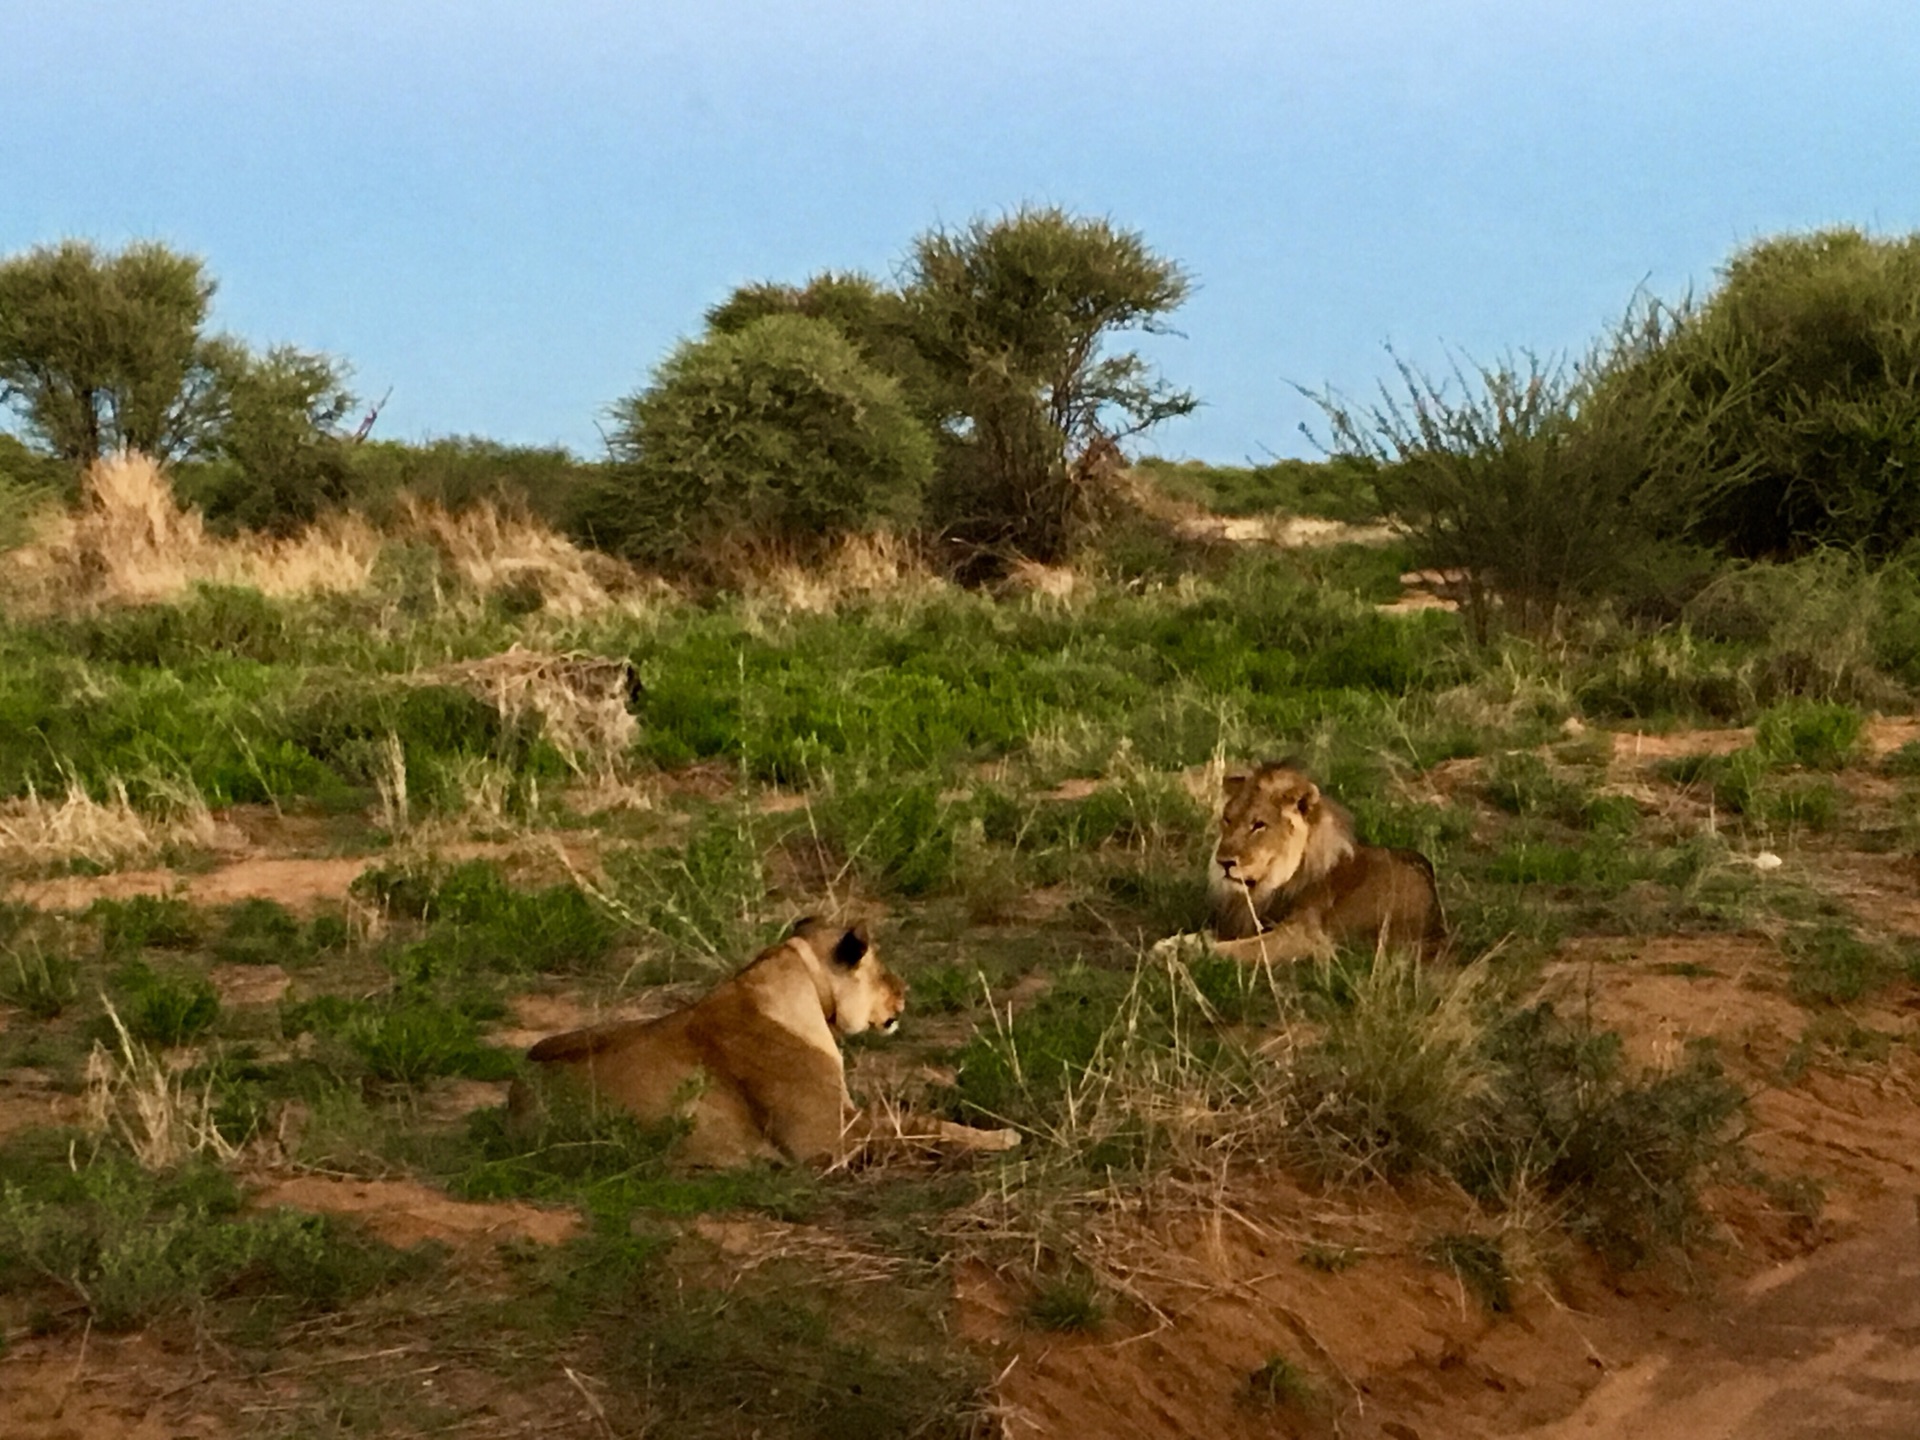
(1821, 1348)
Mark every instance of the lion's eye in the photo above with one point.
(1257, 826)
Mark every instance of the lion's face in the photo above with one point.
(1264, 829)
(866, 994)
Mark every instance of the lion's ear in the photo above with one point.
(852, 947)
(1232, 785)
(1310, 800)
(800, 927)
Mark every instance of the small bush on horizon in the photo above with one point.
(1337, 488)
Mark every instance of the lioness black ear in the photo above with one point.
(802, 925)
(1309, 800)
(851, 949)
(1232, 783)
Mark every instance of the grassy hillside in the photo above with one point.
(306, 842)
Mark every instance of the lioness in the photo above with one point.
(754, 1064)
(1289, 878)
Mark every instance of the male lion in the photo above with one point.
(1289, 879)
(754, 1065)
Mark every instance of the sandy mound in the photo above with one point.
(404, 1212)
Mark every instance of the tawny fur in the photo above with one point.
(754, 1066)
(1289, 878)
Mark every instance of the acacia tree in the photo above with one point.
(1017, 314)
(277, 454)
(100, 351)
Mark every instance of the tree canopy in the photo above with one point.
(101, 351)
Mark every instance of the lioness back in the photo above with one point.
(1287, 859)
(753, 1065)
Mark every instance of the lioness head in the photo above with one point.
(865, 993)
(1276, 825)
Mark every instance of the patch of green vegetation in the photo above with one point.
(1397, 1081)
(1480, 1266)
(1827, 963)
(787, 1349)
(1070, 1302)
(1624, 1155)
(409, 1043)
(129, 1246)
(1330, 1259)
(1046, 1047)
(1340, 488)
(161, 922)
(1820, 735)
(404, 1038)
(1281, 1383)
(259, 931)
(479, 922)
(945, 989)
(564, 1142)
(1902, 762)
(703, 899)
(900, 836)
(37, 980)
(163, 1008)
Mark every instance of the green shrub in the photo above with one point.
(226, 620)
(568, 1145)
(1046, 1048)
(704, 899)
(1481, 1268)
(1825, 627)
(38, 981)
(1624, 1157)
(412, 1041)
(461, 471)
(1493, 478)
(259, 931)
(1830, 964)
(777, 432)
(1793, 408)
(1819, 735)
(164, 1009)
(782, 1352)
(164, 922)
(1399, 1078)
(1067, 1303)
(1339, 488)
(480, 922)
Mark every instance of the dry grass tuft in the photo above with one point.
(494, 550)
(130, 542)
(581, 699)
(1061, 583)
(36, 833)
(137, 1096)
(855, 567)
(337, 554)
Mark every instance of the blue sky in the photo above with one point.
(509, 212)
